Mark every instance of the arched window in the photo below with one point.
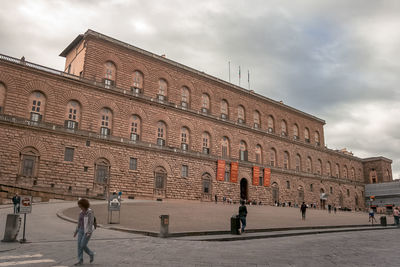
(373, 178)
(2, 97)
(37, 105)
(298, 163)
(161, 133)
(206, 142)
(160, 181)
(316, 138)
(307, 135)
(29, 162)
(353, 173)
(337, 170)
(225, 147)
(102, 171)
(272, 157)
(243, 153)
(270, 122)
(110, 72)
(135, 127)
(309, 165)
(185, 138)
(319, 166)
(283, 128)
(105, 121)
(162, 90)
(295, 132)
(185, 97)
(241, 114)
(328, 169)
(258, 152)
(205, 103)
(224, 109)
(345, 171)
(286, 160)
(206, 182)
(387, 176)
(73, 115)
(137, 82)
(257, 121)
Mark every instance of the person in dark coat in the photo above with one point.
(242, 214)
(303, 209)
(16, 199)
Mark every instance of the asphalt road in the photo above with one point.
(53, 245)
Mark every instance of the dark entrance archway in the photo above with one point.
(243, 189)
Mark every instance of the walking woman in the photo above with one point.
(84, 230)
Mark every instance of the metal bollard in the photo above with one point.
(164, 225)
(13, 224)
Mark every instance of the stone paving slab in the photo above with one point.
(190, 216)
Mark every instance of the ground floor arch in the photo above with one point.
(244, 189)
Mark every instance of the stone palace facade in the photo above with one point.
(119, 117)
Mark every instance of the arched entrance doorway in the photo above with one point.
(275, 193)
(300, 191)
(243, 189)
(323, 198)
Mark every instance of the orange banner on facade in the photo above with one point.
(234, 172)
(220, 170)
(256, 175)
(267, 176)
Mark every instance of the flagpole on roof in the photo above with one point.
(239, 75)
(229, 67)
(248, 78)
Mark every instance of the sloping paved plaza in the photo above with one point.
(188, 216)
(53, 245)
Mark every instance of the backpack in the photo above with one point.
(95, 222)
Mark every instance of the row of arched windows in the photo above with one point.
(137, 87)
(37, 106)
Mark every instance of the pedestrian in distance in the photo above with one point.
(84, 230)
(371, 217)
(334, 209)
(329, 208)
(16, 199)
(242, 215)
(303, 209)
(216, 199)
(396, 213)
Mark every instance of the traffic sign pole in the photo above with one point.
(23, 240)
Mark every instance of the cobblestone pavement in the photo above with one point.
(186, 216)
(53, 245)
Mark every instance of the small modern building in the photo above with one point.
(383, 197)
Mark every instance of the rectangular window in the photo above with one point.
(311, 187)
(206, 186)
(227, 172)
(348, 192)
(28, 164)
(102, 174)
(133, 163)
(331, 190)
(69, 154)
(185, 171)
(160, 177)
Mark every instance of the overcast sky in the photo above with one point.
(338, 60)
